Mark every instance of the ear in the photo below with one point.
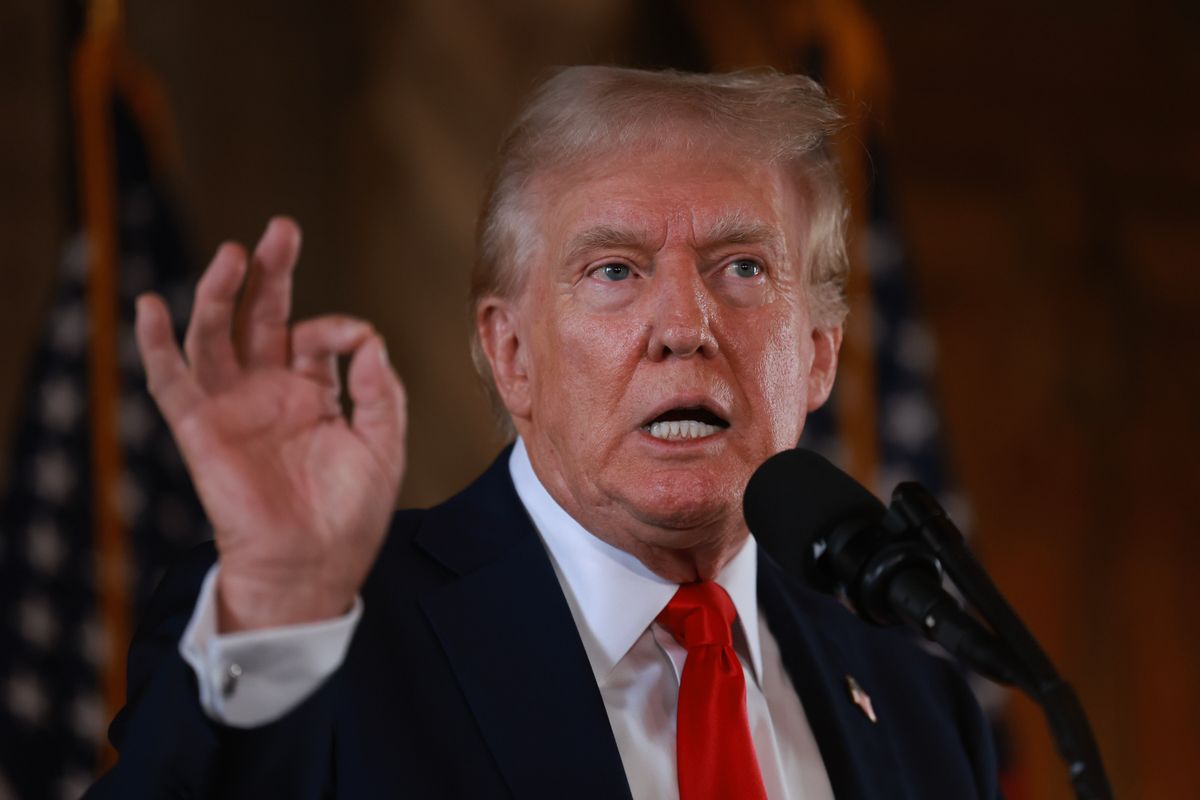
(498, 323)
(827, 342)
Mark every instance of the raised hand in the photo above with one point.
(299, 497)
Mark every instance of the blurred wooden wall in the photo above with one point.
(1048, 180)
(1050, 174)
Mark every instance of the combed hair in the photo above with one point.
(585, 113)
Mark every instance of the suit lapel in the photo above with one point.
(819, 659)
(514, 649)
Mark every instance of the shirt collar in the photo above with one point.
(613, 596)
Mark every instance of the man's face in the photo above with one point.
(663, 346)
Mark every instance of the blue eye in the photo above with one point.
(745, 268)
(614, 272)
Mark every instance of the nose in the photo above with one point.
(681, 313)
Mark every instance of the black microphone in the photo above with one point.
(821, 526)
(824, 527)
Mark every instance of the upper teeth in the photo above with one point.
(680, 429)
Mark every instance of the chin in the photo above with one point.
(683, 502)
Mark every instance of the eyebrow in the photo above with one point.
(736, 229)
(728, 229)
(605, 237)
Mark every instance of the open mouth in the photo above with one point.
(678, 424)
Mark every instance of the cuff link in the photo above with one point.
(232, 673)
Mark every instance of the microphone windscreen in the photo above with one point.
(796, 497)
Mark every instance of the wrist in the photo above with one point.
(253, 603)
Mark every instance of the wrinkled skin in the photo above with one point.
(661, 280)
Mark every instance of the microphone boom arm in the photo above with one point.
(1039, 679)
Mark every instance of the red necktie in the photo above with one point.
(714, 752)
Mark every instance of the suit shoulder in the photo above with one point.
(405, 523)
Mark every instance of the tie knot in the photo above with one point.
(700, 614)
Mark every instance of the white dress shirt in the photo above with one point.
(252, 678)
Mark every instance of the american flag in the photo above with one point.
(53, 645)
(910, 435)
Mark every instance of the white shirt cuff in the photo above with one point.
(252, 678)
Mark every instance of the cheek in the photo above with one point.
(779, 377)
(584, 364)
(591, 346)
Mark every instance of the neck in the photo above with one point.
(681, 546)
(686, 564)
(677, 550)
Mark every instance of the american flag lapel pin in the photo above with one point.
(860, 698)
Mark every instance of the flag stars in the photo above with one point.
(26, 698)
(53, 476)
(72, 786)
(37, 622)
(68, 329)
(62, 404)
(915, 349)
(135, 421)
(909, 421)
(87, 717)
(46, 549)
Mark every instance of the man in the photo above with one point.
(657, 308)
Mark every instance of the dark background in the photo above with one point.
(1047, 175)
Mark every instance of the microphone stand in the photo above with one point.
(1031, 668)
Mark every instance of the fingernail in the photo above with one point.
(383, 356)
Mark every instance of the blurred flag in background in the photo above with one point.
(97, 500)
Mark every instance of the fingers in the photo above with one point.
(167, 376)
(262, 315)
(208, 344)
(380, 412)
(316, 344)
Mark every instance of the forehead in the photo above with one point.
(708, 196)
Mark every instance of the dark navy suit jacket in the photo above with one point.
(466, 678)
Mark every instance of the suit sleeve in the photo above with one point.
(168, 747)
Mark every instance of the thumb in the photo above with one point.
(380, 415)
